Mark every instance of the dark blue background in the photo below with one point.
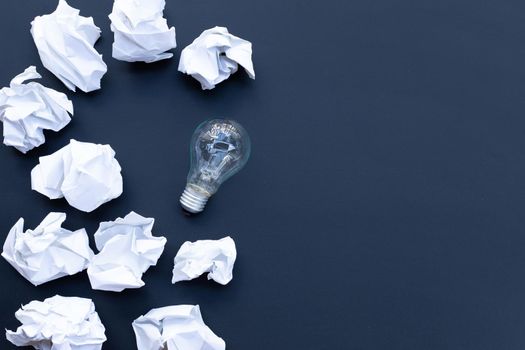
(383, 204)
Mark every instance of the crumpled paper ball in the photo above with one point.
(141, 33)
(49, 251)
(87, 175)
(59, 323)
(214, 256)
(178, 327)
(127, 250)
(27, 109)
(65, 41)
(214, 56)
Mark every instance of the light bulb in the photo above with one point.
(219, 148)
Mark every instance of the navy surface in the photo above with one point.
(382, 208)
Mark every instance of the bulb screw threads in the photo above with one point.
(193, 201)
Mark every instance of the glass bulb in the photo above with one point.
(219, 148)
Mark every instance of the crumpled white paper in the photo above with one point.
(59, 323)
(87, 175)
(175, 327)
(26, 110)
(127, 249)
(65, 40)
(141, 32)
(214, 256)
(214, 56)
(49, 251)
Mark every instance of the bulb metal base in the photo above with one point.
(193, 201)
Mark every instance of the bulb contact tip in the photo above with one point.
(193, 201)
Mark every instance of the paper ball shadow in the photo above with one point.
(153, 67)
(237, 81)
